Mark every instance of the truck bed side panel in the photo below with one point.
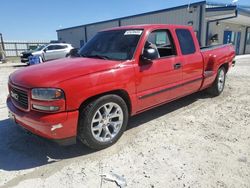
(213, 58)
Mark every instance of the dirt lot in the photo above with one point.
(197, 141)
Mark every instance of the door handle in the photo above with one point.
(177, 65)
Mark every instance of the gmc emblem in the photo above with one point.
(14, 95)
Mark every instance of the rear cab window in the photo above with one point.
(186, 41)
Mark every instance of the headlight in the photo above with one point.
(47, 94)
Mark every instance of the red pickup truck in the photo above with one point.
(120, 72)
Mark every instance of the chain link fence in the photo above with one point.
(14, 48)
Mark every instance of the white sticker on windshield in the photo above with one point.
(133, 32)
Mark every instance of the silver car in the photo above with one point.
(48, 52)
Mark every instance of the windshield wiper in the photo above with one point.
(95, 56)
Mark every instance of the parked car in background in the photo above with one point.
(120, 72)
(48, 52)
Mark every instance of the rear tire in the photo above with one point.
(218, 86)
(102, 121)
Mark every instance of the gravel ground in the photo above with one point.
(197, 141)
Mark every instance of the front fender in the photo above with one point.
(79, 89)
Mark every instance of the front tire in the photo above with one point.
(218, 86)
(102, 121)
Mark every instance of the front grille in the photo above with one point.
(20, 97)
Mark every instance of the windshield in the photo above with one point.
(40, 47)
(114, 45)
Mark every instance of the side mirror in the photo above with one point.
(44, 50)
(148, 55)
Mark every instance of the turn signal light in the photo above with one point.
(45, 108)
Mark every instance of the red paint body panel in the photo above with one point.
(213, 59)
(146, 85)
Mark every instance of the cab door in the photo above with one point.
(49, 52)
(157, 80)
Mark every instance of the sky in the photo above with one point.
(39, 20)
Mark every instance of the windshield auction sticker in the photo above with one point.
(133, 32)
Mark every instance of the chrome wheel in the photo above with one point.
(221, 80)
(107, 122)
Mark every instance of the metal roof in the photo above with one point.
(214, 6)
(229, 7)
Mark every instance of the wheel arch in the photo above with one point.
(225, 65)
(119, 92)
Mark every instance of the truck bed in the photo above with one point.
(212, 47)
(214, 56)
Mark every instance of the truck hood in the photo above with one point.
(50, 73)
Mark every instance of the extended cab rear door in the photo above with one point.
(191, 60)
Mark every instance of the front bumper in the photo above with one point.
(59, 127)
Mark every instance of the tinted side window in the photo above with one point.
(186, 41)
(51, 47)
(59, 47)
